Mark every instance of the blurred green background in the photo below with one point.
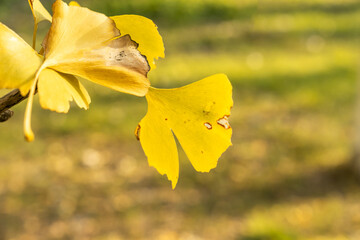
(289, 174)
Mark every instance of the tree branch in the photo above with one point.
(9, 100)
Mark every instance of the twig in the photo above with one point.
(6, 102)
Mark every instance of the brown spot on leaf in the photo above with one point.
(166, 119)
(208, 125)
(137, 132)
(224, 122)
(207, 109)
(119, 57)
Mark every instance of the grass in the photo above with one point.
(294, 69)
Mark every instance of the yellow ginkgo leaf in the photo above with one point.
(18, 61)
(159, 144)
(143, 31)
(57, 89)
(40, 14)
(39, 11)
(197, 114)
(87, 44)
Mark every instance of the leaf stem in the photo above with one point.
(34, 35)
(29, 135)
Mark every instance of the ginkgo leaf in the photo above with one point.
(87, 44)
(56, 90)
(75, 29)
(143, 31)
(197, 114)
(115, 66)
(39, 11)
(159, 144)
(40, 14)
(18, 61)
